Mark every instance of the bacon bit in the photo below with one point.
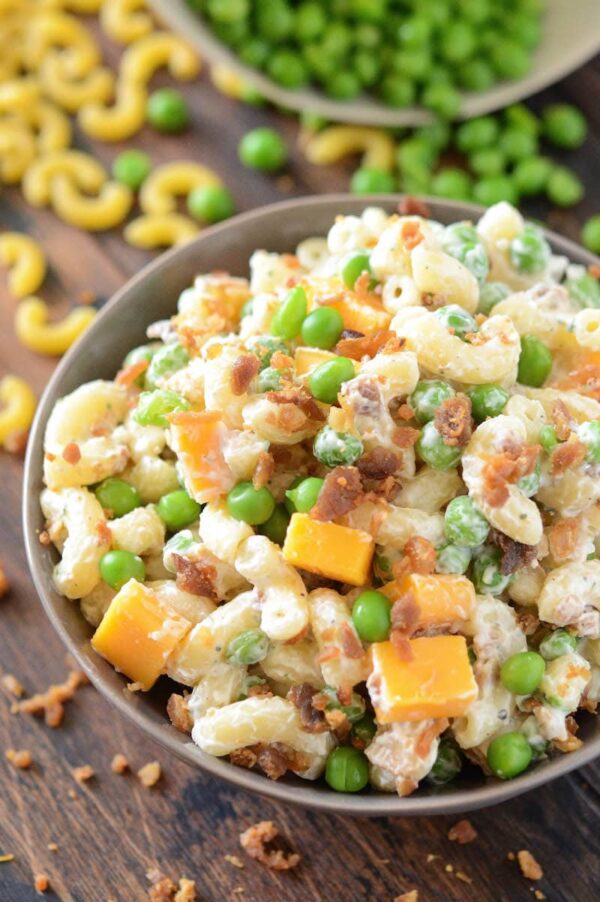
(453, 421)
(254, 842)
(328, 654)
(197, 577)
(41, 883)
(20, 758)
(16, 442)
(405, 412)
(243, 372)
(570, 454)
(179, 713)
(303, 696)
(235, 861)
(104, 533)
(127, 376)
(186, 891)
(529, 866)
(299, 397)
(361, 285)
(405, 615)
(340, 493)
(149, 774)
(12, 685)
(378, 464)
(83, 774)
(4, 584)
(277, 758)
(358, 347)
(411, 896)
(412, 206)
(528, 622)
(462, 832)
(262, 689)
(563, 537)
(405, 436)
(351, 644)
(423, 745)
(538, 894)
(585, 380)
(512, 463)
(338, 723)
(514, 554)
(50, 702)
(162, 888)
(245, 757)
(411, 235)
(119, 764)
(561, 420)
(421, 554)
(52, 847)
(291, 261)
(281, 361)
(570, 744)
(71, 453)
(265, 467)
(44, 537)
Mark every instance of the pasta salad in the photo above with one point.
(352, 503)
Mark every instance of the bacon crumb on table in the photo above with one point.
(235, 861)
(19, 758)
(254, 842)
(462, 832)
(83, 773)
(12, 685)
(52, 847)
(530, 868)
(411, 896)
(41, 883)
(186, 891)
(51, 702)
(119, 764)
(162, 890)
(4, 586)
(149, 774)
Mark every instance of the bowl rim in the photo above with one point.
(369, 111)
(374, 804)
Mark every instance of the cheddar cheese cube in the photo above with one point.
(197, 438)
(437, 682)
(443, 599)
(337, 552)
(308, 359)
(361, 315)
(138, 633)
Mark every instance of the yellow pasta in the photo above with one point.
(104, 211)
(52, 126)
(142, 59)
(17, 407)
(49, 31)
(71, 93)
(125, 21)
(25, 260)
(339, 141)
(119, 121)
(83, 169)
(161, 189)
(17, 150)
(18, 94)
(37, 334)
(163, 230)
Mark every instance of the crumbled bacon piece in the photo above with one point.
(281, 361)
(585, 380)
(453, 421)
(378, 464)
(340, 493)
(255, 840)
(594, 271)
(299, 397)
(276, 758)
(529, 866)
(19, 758)
(411, 234)
(127, 376)
(149, 774)
(411, 896)
(83, 774)
(561, 420)
(514, 554)
(401, 643)
(162, 888)
(570, 454)
(563, 537)
(12, 685)
(72, 453)
(405, 436)
(528, 622)
(427, 736)
(243, 372)
(302, 695)
(4, 586)
(50, 702)
(365, 345)
(186, 891)
(41, 883)
(462, 832)
(405, 615)
(265, 467)
(338, 723)
(179, 713)
(512, 463)
(405, 412)
(197, 577)
(351, 644)
(104, 533)
(412, 206)
(245, 757)
(421, 554)
(119, 764)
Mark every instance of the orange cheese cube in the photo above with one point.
(138, 633)
(197, 438)
(361, 315)
(437, 682)
(307, 359)
(443, 598)
(337, 552)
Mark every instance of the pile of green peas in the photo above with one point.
(401, 51)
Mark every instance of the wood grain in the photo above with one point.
(114, 830)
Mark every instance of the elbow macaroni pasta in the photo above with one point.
(17, 407)
(36, 333)
(25, 261)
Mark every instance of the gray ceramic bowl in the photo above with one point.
(121, 325)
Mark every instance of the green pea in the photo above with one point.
(493, 189)
(153, 407)
(590, 234)
(452, 559)
(518, 144)
(509, 59)
(254, 52)
(547, 438)
(464, 524)
(276, 526)
(529, 252)
(462, 242)
(564, 125)
(530, 483)
(436, 134)
(177, 510)
(442, 99)
(535, 362)
(354, 711)
(397, 90)
(475, 134)
(457, 41)
(487, 573)
(118, 567)
(354, 265)
(476, 75)
(326, 380)
(428, 395)
(564, 188)
(414, 62)
(167, 110)
(432, 449)
(264, 346)
(211, 203)
(585, 290)
(132, 167)
(521, 117)
(369, 180)
(347, 769)
(489, 161)
(303, 497)
(263, 149)
(247, 648)
(229, 12)
(491, 294)
(269, 379)
(312, 122)
(287, 69)
(589, 434)
(180, 542)
(415, 31)
(117, 496)
(363, 731)
(452, 183)
(447, 765)
(557, 643)
(336, 449)
(531, 175)
(508, 755)
(166, 361)
(367, 35)
(457, 320)
(522, 673)
(310, 20)
(487, 400)
(290, 314)
(322, 328)
(253, 506)
(274, 20)
(344, 85)
(371, 616)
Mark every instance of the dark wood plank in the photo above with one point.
(113, 831)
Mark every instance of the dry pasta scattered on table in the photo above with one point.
(351, 504)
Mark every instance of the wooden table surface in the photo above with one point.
(111, 831)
